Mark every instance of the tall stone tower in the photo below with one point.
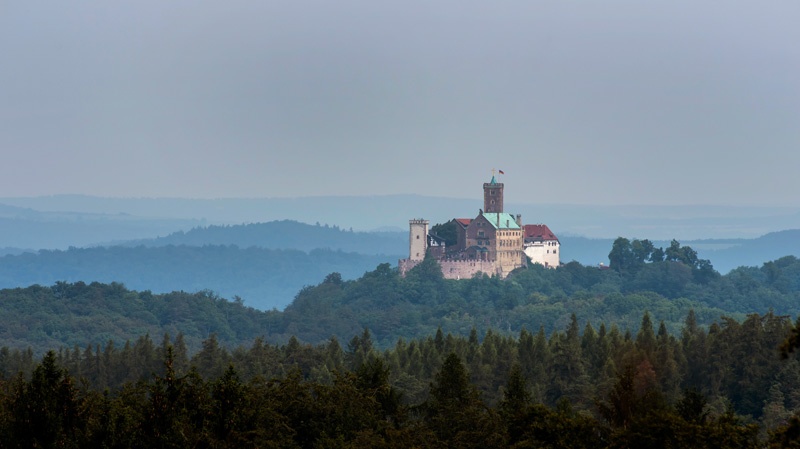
(417, 239)
(493, 196)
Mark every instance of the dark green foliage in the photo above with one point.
(455, 413)
(277, 379)
(447, 232)
(78, 314)
(290, 398)
(692, 407)
(45, 412)
(622, 257)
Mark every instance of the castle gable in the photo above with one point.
(538, 232)
(464, 222)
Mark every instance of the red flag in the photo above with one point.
(501, 172)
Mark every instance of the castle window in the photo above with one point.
(417, 237)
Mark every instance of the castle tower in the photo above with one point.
(417, 239)
(493, 196)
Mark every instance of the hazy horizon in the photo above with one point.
(431, 195)
(371, 212)
(619, 103)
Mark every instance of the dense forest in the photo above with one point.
(667, 285)
(69, 314)
(725, 387)
(571, 357)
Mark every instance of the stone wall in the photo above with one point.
(455, 269)
(466, 269)
(404, 265)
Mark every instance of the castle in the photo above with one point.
(494, 242)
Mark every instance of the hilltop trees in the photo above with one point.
(446, 231)
(85, 317)
(668, 272)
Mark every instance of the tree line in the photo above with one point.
(67, 314)
(668, 284)
(582, 386)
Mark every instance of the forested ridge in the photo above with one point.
(266, 278)
(286, 234)
(69, 314)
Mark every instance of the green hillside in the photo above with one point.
(68, 314)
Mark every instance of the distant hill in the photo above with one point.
(725, 254)
(263, 278)
(364, 213)
(13, 251)
(729, 254)
(32, 229)
(286, 234)
(268, 263)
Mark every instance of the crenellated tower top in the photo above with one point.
(493, 196)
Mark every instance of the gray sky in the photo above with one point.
(613, 102)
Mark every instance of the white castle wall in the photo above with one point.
(545, 253)
(417, 239)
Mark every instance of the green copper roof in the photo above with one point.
(507, 221)
(493, 181)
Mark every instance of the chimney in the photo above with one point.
(519, 220)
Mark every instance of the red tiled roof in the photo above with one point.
(464, 221)
(539, 232)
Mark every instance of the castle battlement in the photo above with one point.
(455, 269)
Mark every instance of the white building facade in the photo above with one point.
(541, 245)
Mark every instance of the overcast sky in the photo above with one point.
(612, 102)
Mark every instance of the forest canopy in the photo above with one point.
(68, 314)
(655, 346)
